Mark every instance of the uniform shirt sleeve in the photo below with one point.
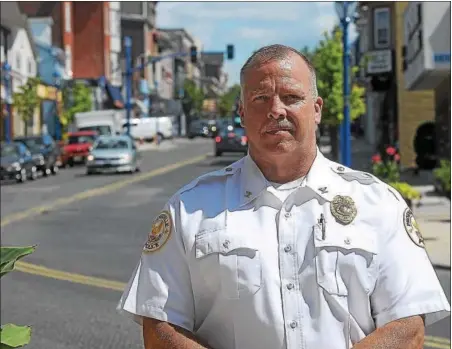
(160, 286)
(407, 284)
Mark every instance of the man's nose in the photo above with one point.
(277, 109)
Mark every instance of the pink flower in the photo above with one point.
(391, 151)
(376, 159)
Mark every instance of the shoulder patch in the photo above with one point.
(412, 228)
(351, 175)
(162, 227)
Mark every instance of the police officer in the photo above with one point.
(284, 248)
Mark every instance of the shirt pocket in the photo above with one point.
(235, 259)
(345, 259)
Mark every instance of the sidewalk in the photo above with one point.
(432, 212)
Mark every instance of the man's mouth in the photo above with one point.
(280, 129)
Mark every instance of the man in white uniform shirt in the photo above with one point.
(284, 248)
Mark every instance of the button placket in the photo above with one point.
(289, 276)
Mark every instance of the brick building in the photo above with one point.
(84, 39)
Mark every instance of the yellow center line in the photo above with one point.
(438, 339)
(97, 191)
(430, 344)
(40, 270)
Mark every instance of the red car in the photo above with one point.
(77, 147)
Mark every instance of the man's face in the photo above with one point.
(278, 110)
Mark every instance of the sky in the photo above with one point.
(248, 25)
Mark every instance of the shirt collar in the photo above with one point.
(319, 179)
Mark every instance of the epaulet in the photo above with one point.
(226, 171)
(352, 175)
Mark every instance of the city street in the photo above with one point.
(90, 231)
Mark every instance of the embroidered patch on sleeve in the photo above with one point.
(162, 228)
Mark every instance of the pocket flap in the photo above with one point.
(346, 237)
(220, 242)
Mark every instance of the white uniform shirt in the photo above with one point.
(242, 269)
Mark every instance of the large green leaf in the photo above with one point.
(10, 255)
(13, 336)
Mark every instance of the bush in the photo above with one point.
(13, 336)
(442, 174)
(406, 190)
(386, 166)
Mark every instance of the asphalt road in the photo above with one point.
(98, 235)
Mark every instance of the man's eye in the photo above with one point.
(260, 98)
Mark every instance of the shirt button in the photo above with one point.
(226, 244)
(347, 241)
(290, 286)
(287, 248)
(293, 324)
(287, 214)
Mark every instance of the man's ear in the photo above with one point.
(318, 105)
(241, 113)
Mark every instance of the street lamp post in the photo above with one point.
(129, 72)
(57, 84)
(345, 11)
(8, 97)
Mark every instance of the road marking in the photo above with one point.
(436, 342)
(71, 277)
(28, 268)
(97, 191)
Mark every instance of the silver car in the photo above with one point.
(112, 154)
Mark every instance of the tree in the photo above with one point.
(75, 100)
(227, 101)
(194, 97)
(327, 60)
(26, 101)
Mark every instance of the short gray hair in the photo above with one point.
(275, 53)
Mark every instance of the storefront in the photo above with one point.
(427, 61)
(50, 110)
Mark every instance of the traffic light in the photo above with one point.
(193, 54)
(230, 51)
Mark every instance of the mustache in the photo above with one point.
(280, 125)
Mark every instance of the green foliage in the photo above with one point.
(328, 61)
(13, 336)
(76, 100)
(406, 190)
(26, 101)
(442, 174)
(227, 101)
(10, 255)
(194, 97)
(387, 171)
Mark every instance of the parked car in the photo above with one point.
(231, 139)
(44, 150)
(17, 163)
(198, 128)
(113, 154)
(77, 147)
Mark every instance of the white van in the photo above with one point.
(150, 127)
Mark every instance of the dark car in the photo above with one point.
(44, 150)
(17, 163)
(231, 139)
(198, 128)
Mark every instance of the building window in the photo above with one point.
(132, 8)
(382, 27)
(18, 62)
(67, 17)
(30, 67)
